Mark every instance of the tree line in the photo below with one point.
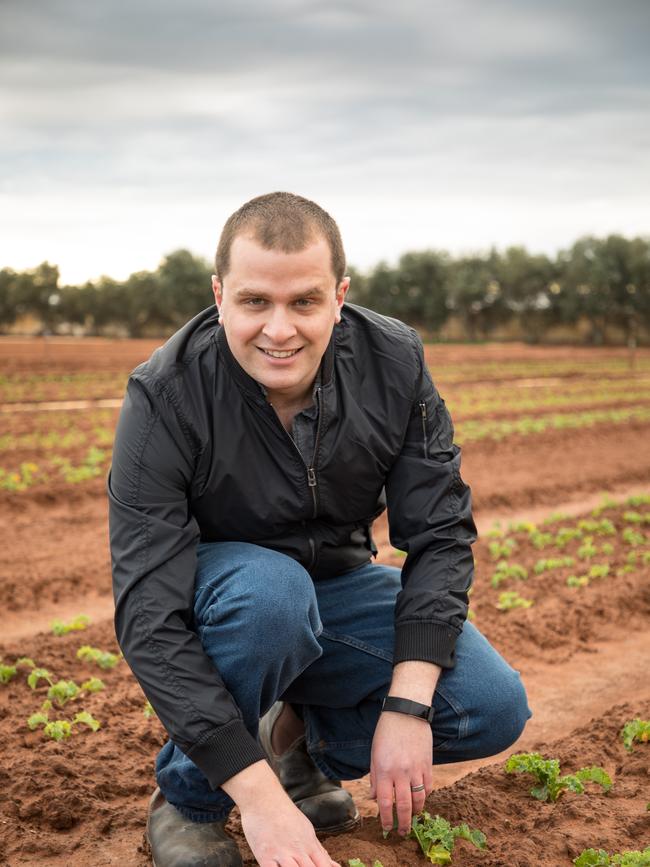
(601, 281)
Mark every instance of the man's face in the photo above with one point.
(278, 311)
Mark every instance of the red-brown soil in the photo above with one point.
(582, 651)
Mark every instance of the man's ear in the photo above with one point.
(341, 292)
(217, 291)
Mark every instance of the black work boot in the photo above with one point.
(326, 804)
(178, 842)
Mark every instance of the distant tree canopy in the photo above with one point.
(603, 281)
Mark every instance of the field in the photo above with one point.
(556, 448)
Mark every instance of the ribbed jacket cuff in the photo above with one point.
(226, 752)
(429, 642)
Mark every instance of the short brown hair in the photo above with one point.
(281, 221)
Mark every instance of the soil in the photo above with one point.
(582, 651)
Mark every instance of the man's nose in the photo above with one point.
(278, 327)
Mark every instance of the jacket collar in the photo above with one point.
(252, 385)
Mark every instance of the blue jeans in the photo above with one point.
(327, 647)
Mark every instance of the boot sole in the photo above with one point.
(343, 828)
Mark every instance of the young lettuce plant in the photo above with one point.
(60, 729)
(103, 658)
(636, 729)
(600, 858)
(7, 672)
(437, 837)
(510, 599)
(355, 862)
(547, 772)
(81, 621)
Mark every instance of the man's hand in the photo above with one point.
(279, 834)
(401, 757)
(402, 748)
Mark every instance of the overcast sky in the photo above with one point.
(129, 129)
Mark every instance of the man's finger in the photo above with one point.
(385, 802)
(404, 805)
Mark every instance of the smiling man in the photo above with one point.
(253, 452)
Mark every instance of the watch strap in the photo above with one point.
(405, 705)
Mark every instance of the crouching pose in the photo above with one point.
(253, 452)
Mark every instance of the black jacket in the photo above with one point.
(199, 455)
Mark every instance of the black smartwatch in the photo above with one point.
(405, 705)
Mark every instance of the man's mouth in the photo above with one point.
(280, 353)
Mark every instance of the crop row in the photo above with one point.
(503, 369)
(497, 429)
(54, 386)
(59, 468)
(467, 403)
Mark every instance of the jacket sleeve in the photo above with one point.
(153, 541)
(430, 517)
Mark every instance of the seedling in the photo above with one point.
(62, 691)
(635, 730)
(148, 710)
(577, 581)
(510, 599)
(566, 535)
(633, 537)
(60, 729)
(505, 571)
(80, 622)
(547, 772)
(103, 658)
(552, 563)
(600, 858)
(93, 684)
(437, 837)
(7, 672)
(502, 549)
(355, 862)
(637, 517)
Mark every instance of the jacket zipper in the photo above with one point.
(311, 469)
(423, 413)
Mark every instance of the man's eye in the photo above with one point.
(304, 302)
(255, 302)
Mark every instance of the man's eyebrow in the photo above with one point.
(252, 292)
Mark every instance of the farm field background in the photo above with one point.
(546, 434)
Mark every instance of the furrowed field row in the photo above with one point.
(497, 429)
(58, 468)
(504, 370)
(466, 407)
(18, 388)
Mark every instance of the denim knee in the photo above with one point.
(267, 594)
(506, 718)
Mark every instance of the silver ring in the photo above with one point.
(418, 788)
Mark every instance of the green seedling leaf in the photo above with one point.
(58, 730)
(81, 621)
(510, 599)
(83, 717)
(39, 674)
(355, 862)
(7, 672)
(600, 858)
(62, 691)
(26, 661)
(93, 684)
(148, 710)
(547, 773)
(37, 719)
(636, 729)
(436, 837)
(103, 658)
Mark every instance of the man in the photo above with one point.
(253, 452)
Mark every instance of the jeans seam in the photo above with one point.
(358, 645)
